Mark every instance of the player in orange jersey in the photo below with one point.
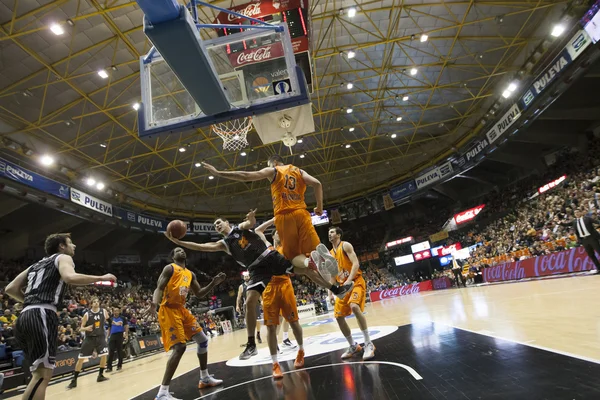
(353, 302)
(279, 299)
(292, 220)
(177, 323)
(286, 342)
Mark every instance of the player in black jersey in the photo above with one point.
(92, 325)
(240, 304)
(252, 251)
(41, 288)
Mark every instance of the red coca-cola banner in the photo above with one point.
(446, 250)
(573, 260)
(258, 9)
(256, 55)
(468, 215)
(401, 291)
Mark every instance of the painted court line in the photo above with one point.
(528, 343)
(410, 370)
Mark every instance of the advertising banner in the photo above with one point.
(403, 190)
(503, 124)
(442, 283)
(564, 262)
(447, 250)
(552, 185)
(435, 175)
(149, 343)
(572, 50)
(468, 215)
(257, 9)
(422, 255)
(139, 219)
(91, 202)
(436, 237)
(306, 311)
(401, 291)
(399, 242)
(200, 227)
(66, 360)
(420, 246)
(402, 260)
(36, 181)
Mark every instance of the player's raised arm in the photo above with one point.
(264, 226)
(200, 291)
(249, 222)
(242, 176)
(66, 268)
(318, 187)
(211, 247)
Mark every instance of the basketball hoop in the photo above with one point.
(233, 133)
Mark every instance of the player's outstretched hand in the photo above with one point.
(108, 277)
(170, 236)
(251, 215)
(318, 211)
(210, 168)
(220, 278)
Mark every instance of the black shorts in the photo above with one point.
(91, 343)
(272, 264)
(37, 333)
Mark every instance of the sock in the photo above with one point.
(300, 347)
(163, 389)
(366, 335)
(285, 336)
(350, 340)
(306, 262)
(204, 373)
(75, 375)
(251, 341)
(274, 358)
(101, 371)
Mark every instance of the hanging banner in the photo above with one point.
(401, 191)
(388, 203)
(468, 215)
(437, 237)
(552, 185)
(504, 123)
(91, 202)
(572, 50)
(139, 219)
(200, 227)
(434, 175)
(473, 152)
(29, 178)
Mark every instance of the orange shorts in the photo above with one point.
(279, 298)
(296, 233)
(177, 325)
(358, 295)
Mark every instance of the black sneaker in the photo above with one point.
(288, 343)
(101, 378)
(119, 368)
(109, 369)
(72, 385)
(258, 338)
(343, 290)
(249, 352)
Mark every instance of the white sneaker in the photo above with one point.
(352, 350)
(165, 396)
(326, 255)
(369, 351)
(209, 381)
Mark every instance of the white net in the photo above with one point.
(233, 133)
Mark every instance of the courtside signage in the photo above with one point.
(552, 185)
(91, 202)
(435, 175)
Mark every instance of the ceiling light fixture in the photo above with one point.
(424, 38)
(393, 136)
(351, 12)
(103, 145)
(182, 149)
(558, 30)
(47, 160)
(243, 154)
(413, 71)
(351, 129)
(405, 98)
(348, 146)
(211, 177)
(136, 106)
(349, 110)
(398, 119)
(100, 186)
(302, 155)
(197, 165)
(351, 54)
(103, 74)
(349, 85)
(299, 141)
(57, 29)
(90, 181)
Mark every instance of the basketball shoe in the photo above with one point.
(165, 396)
(369, 351)
(299, 362)
(352, 350)
(209, 381)
(277, 371)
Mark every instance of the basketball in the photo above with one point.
(177, 228)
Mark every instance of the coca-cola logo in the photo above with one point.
(400, 291)
(468, 215)
(505, 272)
(260, 54)
(575, 260)
(251, 10)
(444, 251)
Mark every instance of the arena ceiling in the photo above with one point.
(52, 100)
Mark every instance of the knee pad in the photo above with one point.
(202, 342)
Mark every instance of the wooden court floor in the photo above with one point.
(561, 315)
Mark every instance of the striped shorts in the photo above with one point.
(37, 333)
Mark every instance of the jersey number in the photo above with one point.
(34, 279)
(290, 182)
